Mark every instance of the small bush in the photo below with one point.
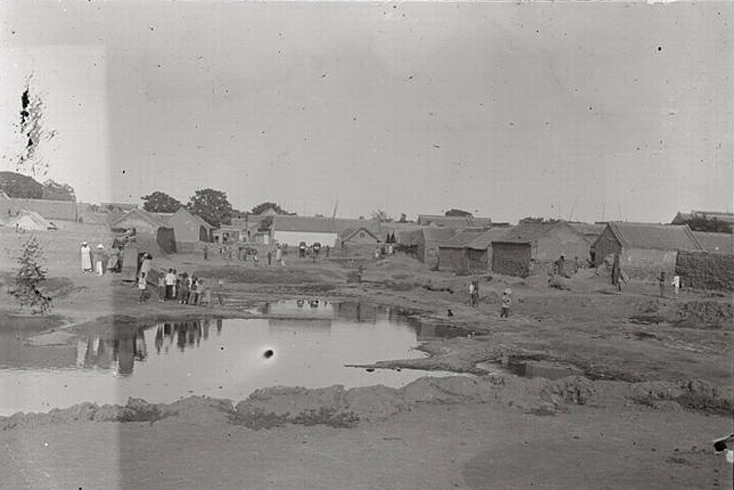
(29, 277)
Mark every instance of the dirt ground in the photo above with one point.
(651, 386)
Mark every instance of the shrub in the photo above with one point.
(29, 277)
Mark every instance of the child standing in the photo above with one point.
(143, 288)
(676, 285)
(161, 288)
(506, 302)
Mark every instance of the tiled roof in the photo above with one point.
(716, 242)
(461, 239)
(483, 241)
(655, 236)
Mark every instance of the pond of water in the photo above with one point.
(218, 358)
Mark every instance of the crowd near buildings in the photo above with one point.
(459, 243)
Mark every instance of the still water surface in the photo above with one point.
(218, 358)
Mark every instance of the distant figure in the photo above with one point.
(161, 288)
(146, 264)
(113, 263)
(279, 257)
(86, 257)
(449, 312)
(170, 283)
(615, 271)
(100, 260)
(270, 257)
(328, 250)
(661, 280)
(143, 287)
(184, 296)
(220, 292)
(472, 293)
(560, 266)
(676, 285)
(206, 252)
(506, 303)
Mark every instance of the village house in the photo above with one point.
(479, 250)
(644, 249)
(292, 230)
(190, 230)
(359, 241)
(146, 226)
(427, 242)
(453, 254)
(532, 247)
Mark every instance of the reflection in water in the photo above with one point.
(119, 352)
(170, 360)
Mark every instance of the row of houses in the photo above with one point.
(531, 247)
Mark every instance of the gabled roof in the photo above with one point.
(310, 224)
(349, 233)
(483, 241)
(716, 242)
(144, 215)
(453, 221)
(528, 231)
(655, 236)
(461, 239)
(589, 230)
(437, 234)
(185, 213)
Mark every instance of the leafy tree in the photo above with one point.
(459, 213)
(264, 206)
(30, 275)
(211, 205)
(531, 219)
(56, 191)
(265, 224)
(19, 185)
(160, 202)
(381, 216)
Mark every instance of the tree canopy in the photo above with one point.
(56, 191)
(26, 187)
(160, 202)
(264, 206)
(381, 216)
(458, 213)
(211, 205)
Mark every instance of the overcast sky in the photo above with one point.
(586, 111)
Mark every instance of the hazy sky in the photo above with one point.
(582, 110)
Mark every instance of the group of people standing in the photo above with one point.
(100, 261)
(185, 289)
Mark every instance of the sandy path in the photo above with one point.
(474, 446)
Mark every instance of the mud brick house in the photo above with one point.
(453, 254)
(427, 242)
(146, 226)
(190, 230)
(532, 247)
(479, 250)
(645, 249)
